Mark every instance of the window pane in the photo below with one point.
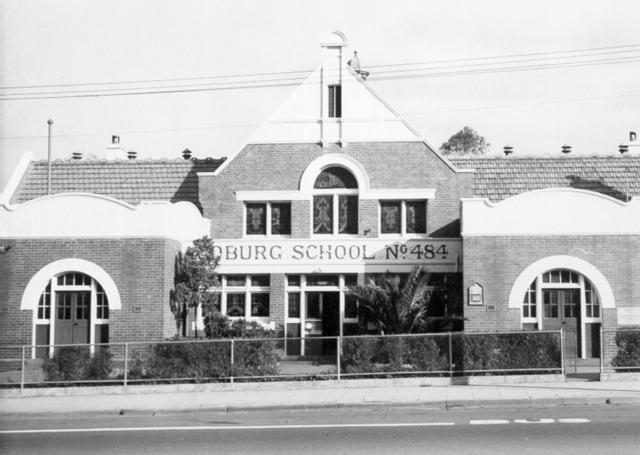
(313, 306)
(235, 305)
(416, 214)
(322, 280)
(348, 214)
(294, 305)
(281, 218)
(260, 281)
(323, 214)
(350, 307)
(390, 217)
(351, 279)
(260, 304)
(256, 216)
(335, 177)
(235, 280)
(293, 280)
(335, 101)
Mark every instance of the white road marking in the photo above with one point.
(235, 427)
(574, 420)
(488, 422)
(534, 421)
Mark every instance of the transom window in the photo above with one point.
(335, 202)
(560, 292)
(278, 214)
(244, 296)
(403, 217)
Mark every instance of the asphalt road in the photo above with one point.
(371, 430)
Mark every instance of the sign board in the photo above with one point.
(292, 254)
(629, 316)
(476, 295)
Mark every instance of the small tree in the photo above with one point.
(413, 307)
(465, 142)
(194, 276)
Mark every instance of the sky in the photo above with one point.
(548, 102)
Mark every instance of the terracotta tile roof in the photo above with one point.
(497, 178)
(130, 181)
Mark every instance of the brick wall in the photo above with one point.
(496, 262)
(280, 167)
(138, 266)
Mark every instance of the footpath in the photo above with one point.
(379, 392)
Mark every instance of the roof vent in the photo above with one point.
(508, 150)
(132, 154)
(355, 64)
(566, 149)
(186, 154)
(623, 148)
(76, 155)
(115, 139)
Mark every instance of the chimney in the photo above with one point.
(132, 154)
(115, 139)
(632, 136)
(76, 155)
(508, 150)
(186, 154)
(566, 149)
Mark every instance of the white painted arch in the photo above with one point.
(599, 281)
(39, 281)
(309, 175)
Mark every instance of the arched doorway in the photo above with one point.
(71, 300)
(563, 298)
(564, 291)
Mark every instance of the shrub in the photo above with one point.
(357, 355)
(628, 352)
(424, 354)
(516, 351)
(75, 363)
(212, 360)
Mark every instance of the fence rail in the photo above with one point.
(268, 359)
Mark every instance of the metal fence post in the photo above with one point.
(601, 351)
(450, 356)
(22, 366)
(562, 359)
(126, 362)
(338, 349)
(231, 369)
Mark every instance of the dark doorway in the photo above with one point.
(72, 317)
(330, 321)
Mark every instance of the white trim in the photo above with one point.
(314, 168)
(526, 277)
(15, 178)
(39, 281)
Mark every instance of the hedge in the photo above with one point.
(628, 349)
(75, 363)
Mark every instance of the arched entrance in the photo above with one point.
(71, 300)
(564, 292)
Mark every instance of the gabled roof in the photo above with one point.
(498, 178)
(131, 181)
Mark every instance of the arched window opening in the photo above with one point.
(73, 309)
(335, 202)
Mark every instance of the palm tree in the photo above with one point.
(392, 307)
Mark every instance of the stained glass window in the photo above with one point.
(256, 217)
(323, 214)
(390, 217)
(281, 218)
(416, 217)
(348, 214)
(336, 177)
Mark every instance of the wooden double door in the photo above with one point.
(562, 310)
(72, 319)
